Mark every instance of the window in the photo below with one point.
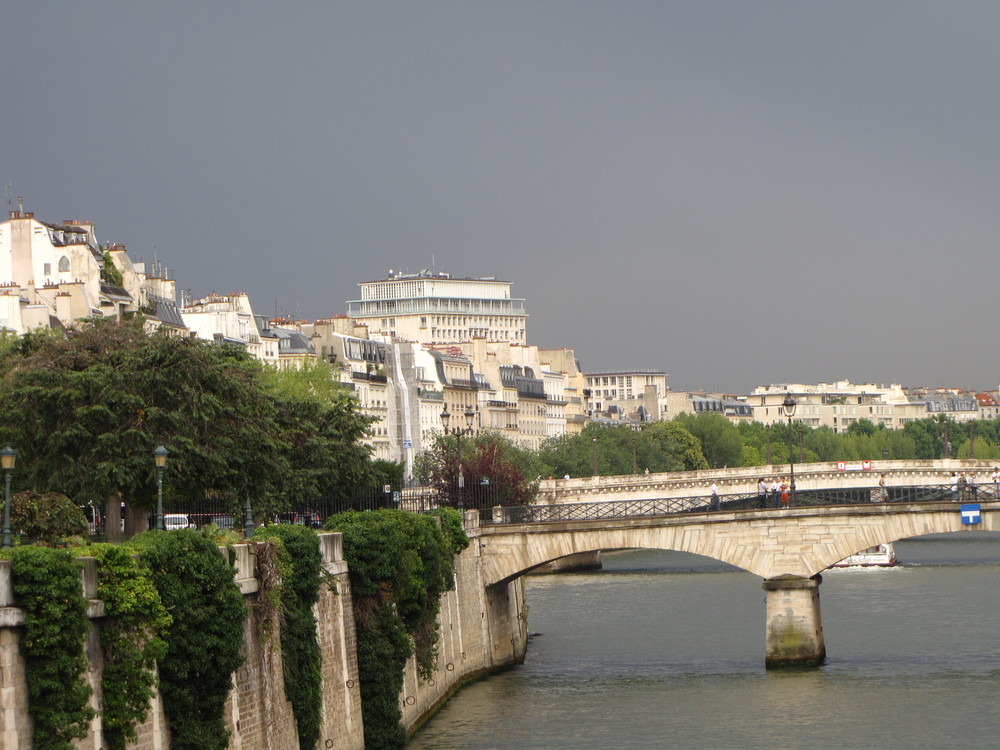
(63, 264)
(46, 269)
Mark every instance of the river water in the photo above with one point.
(666, 650)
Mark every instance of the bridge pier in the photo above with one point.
(794, 627)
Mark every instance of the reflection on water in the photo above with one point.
(663, 649)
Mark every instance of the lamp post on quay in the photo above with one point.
(458, 432)
(788, 406)
(7, 458)
(160, 461)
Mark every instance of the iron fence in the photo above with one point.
(619, 509)
(492, 502)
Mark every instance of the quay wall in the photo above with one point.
(482, 630)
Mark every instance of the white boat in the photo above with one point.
(879, 556)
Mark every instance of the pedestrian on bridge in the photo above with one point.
(714, 502)
(775, 489)
(784, 493)
(953, 482)
(762, 492)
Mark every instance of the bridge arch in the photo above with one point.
(781, 543)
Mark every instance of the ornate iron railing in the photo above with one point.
(618, 509)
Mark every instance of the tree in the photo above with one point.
(86, 411)
(487, 460)
(321, 454)
(620, 449)
(720, 439)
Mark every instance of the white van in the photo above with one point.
(173, 521)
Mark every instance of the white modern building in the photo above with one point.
(436, 308)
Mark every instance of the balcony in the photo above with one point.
(502, 405)
(371, 378)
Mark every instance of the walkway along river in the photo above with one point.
(663, 649)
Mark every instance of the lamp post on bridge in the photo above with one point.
(458, 432)
(788, 406)
(595, 457)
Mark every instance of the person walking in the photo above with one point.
(963, 487)
(775, 490)
(784, 493)
(953, 485)
(996, 482)
(762, 492)
(714, 501)
(883, 491)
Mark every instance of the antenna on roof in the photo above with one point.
(10, 201)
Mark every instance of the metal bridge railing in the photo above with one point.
(618, 509)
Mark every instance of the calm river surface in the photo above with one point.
(664, 649)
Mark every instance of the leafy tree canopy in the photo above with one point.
(86, 410)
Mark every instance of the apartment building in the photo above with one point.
(436, 308)
(839, 405)
(630, 395)
(57, 275)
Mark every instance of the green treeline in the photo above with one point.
(709, 440)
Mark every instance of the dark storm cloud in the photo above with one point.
(737, 193)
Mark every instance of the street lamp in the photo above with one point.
(595, 457)
(458, 432)
(7, 458)
(160, 460)
(788, 406)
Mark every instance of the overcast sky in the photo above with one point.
(737, 193)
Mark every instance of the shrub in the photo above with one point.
(46, 584)
(400, 564)
(131, 641)
(46, 516)
(302, 565)
(196, 584)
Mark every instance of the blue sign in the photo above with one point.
(407, 444)
(971, 513)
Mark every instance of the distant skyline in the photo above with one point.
(735, 193)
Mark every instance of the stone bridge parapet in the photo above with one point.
(743, 480)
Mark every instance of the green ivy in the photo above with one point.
(302, 566)
(400, 564)
(131, 640)
(196, 584)
(46, 584)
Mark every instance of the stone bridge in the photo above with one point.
(787, 548)
(743, 480)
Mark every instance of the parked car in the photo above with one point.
(172, 521)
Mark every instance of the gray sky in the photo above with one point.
(738, 193)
